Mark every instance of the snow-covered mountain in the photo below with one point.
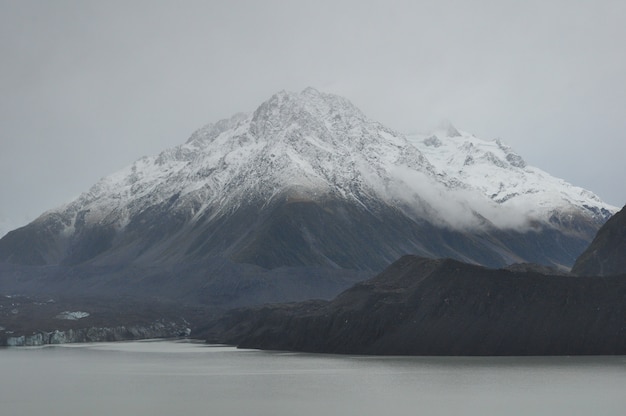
(311, 143)
(308, 179)
(512, 194)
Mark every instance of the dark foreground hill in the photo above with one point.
(606, 255)
(443, 307)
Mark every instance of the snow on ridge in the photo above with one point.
(323, 142)
(518, 191)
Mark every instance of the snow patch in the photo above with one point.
(72, 316)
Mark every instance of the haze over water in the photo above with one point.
(165, 378)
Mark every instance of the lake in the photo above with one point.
(183, 377)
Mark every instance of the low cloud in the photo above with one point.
(457, 208)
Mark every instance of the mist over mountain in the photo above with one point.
(514, 194)
(308, 180)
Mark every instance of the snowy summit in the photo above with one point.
(320, 144)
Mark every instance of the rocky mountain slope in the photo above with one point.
(217, 282)
(423, 306)
(308, 180)
(606, 255)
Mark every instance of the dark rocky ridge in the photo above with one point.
(606, 255)
(443, 307)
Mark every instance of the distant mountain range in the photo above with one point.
(308, 180)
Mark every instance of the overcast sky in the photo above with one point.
(87, 87)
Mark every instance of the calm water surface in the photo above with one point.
(170, 378)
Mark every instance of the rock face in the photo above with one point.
(443, 307)
(606, 255)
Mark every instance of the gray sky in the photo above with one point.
(87, 87)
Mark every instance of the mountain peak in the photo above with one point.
(310, 91)
(448, 128)
(310, 114)
(317, 102)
